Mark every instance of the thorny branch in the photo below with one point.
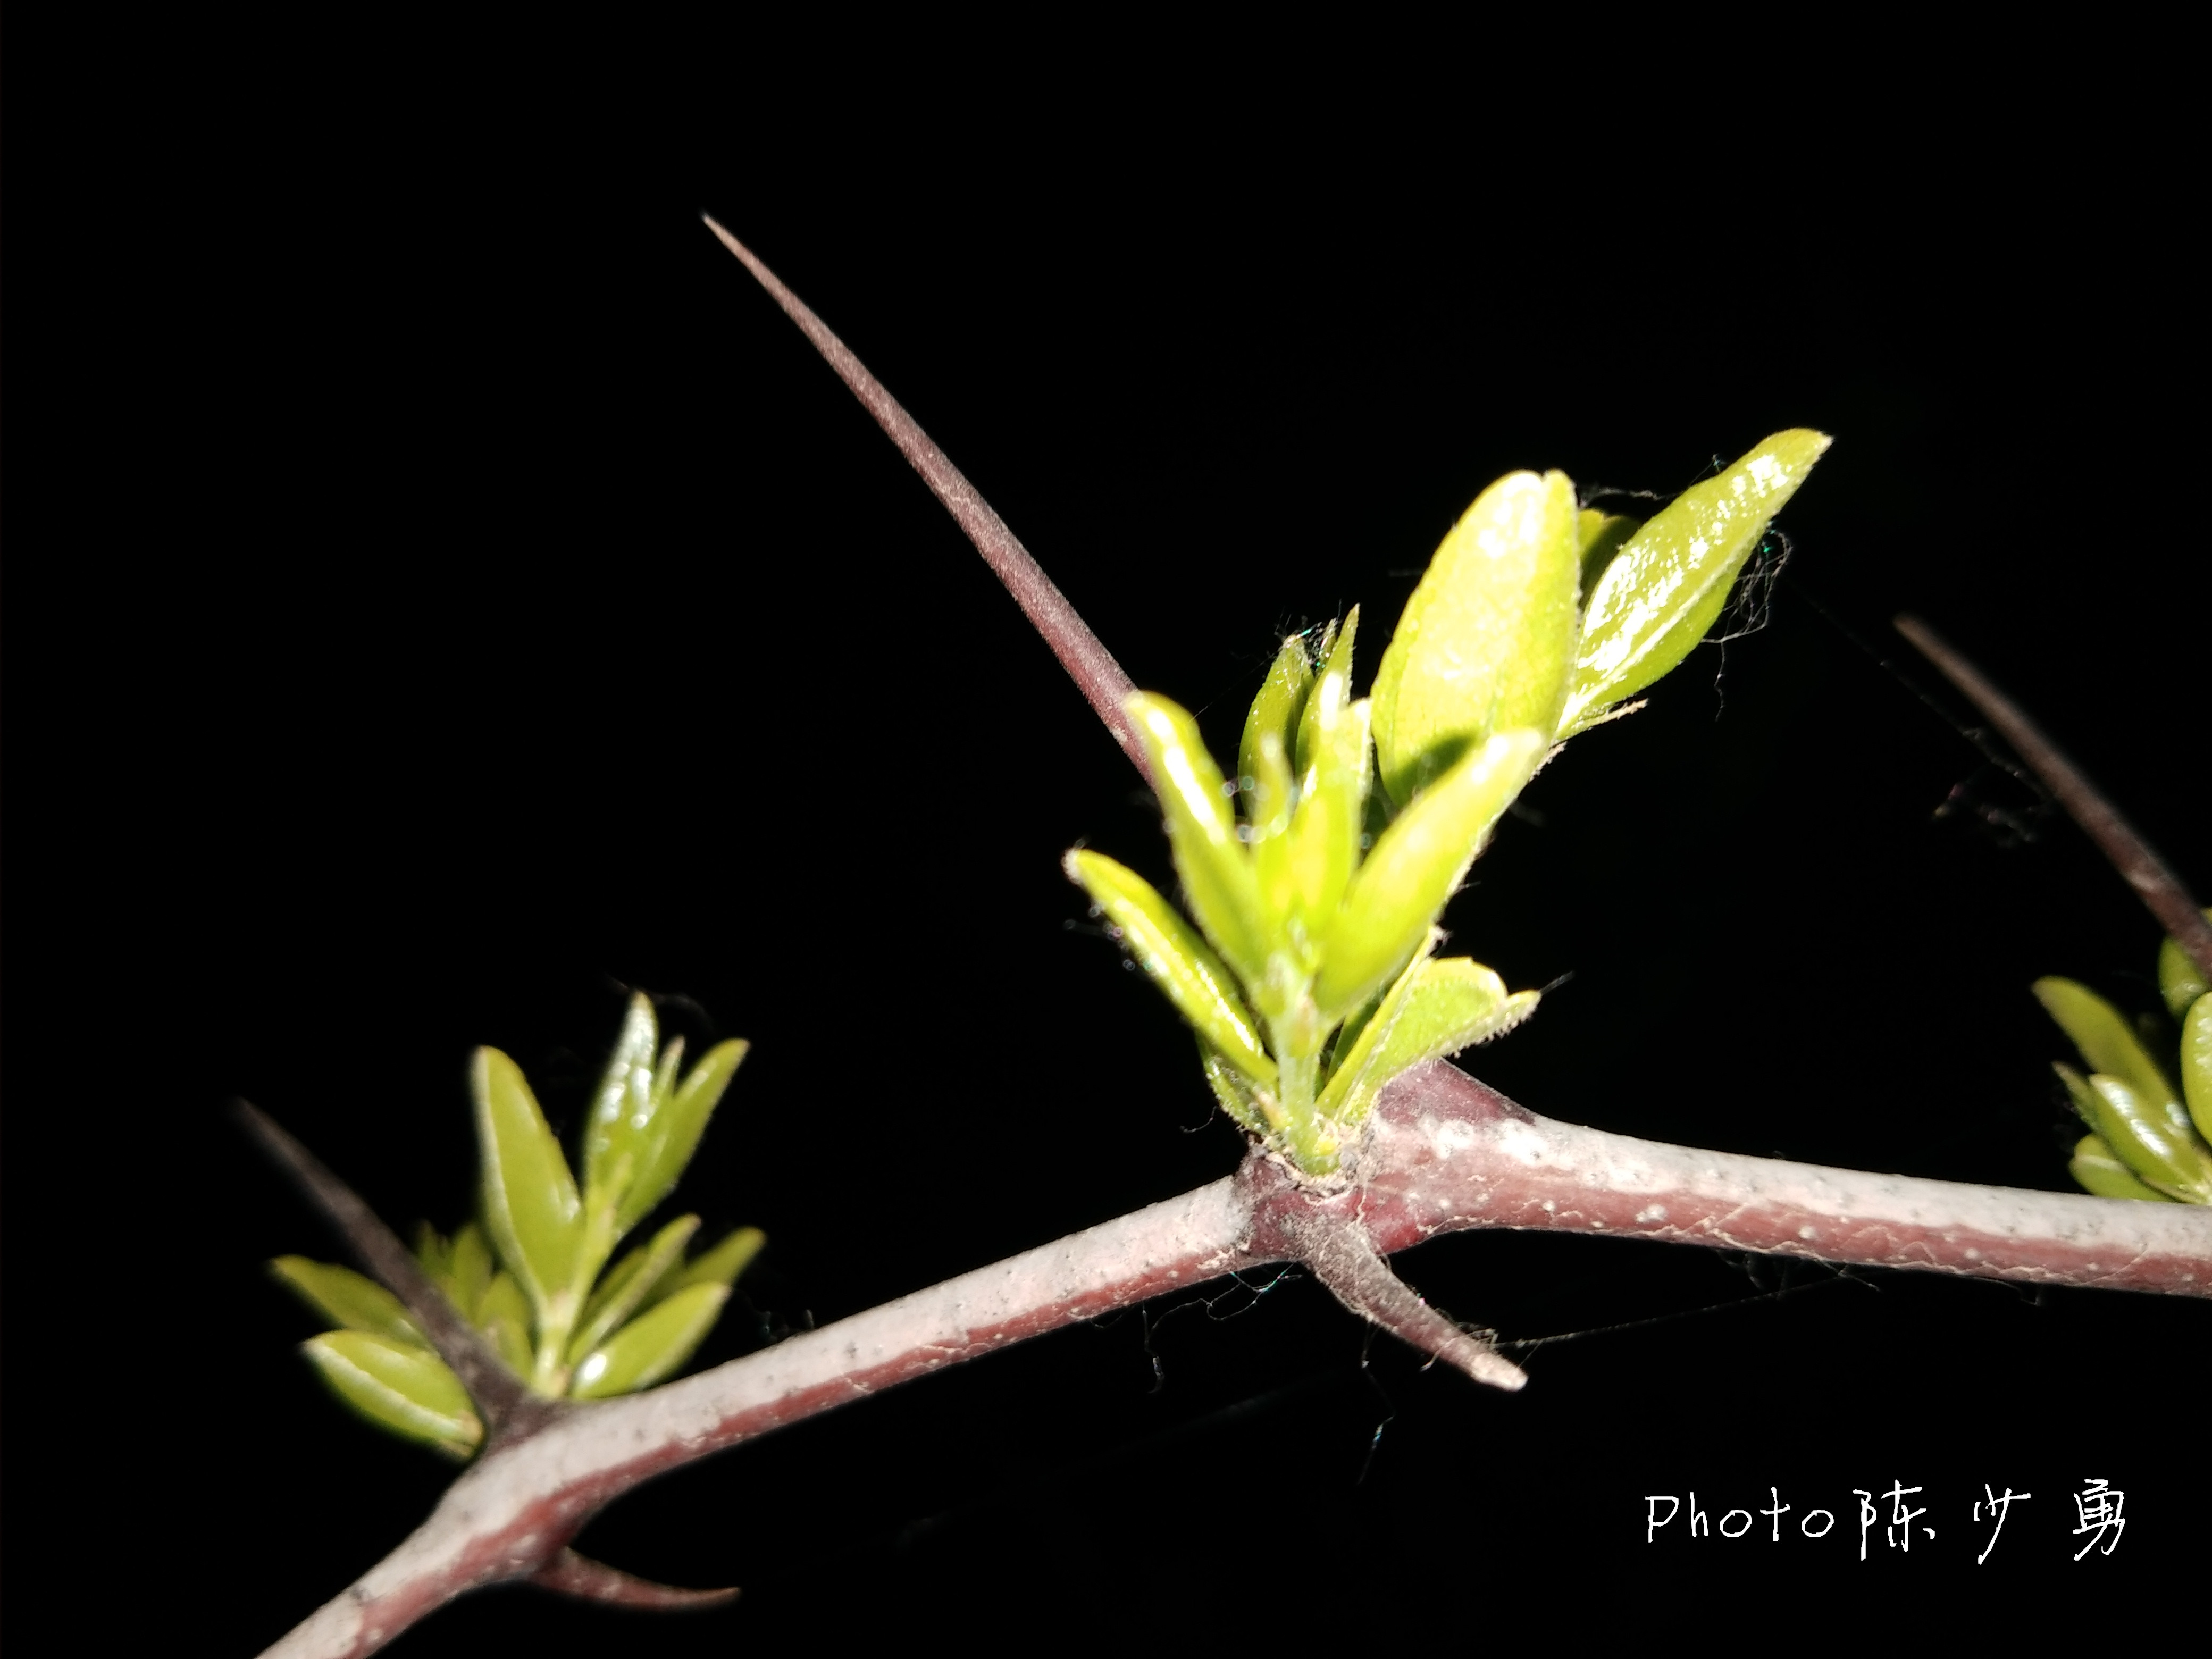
(1444, 1153)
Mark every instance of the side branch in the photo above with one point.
(1086, 659)
(1445, 1154)
(2142, 869)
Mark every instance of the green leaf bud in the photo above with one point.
(1667, 585)
(1488, 640)
(1178, 961)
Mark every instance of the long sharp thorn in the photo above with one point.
(496, 1391)
(2151, 877)
(1086, 659)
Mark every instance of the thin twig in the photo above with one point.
(1087, 661)
(2151, 877)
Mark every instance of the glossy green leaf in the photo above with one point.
(1666, 585)
(1282, 699)
(629, 1284)
(1178, 961)
(2140, 1134)
(2110, 1045)
(1445, 1005)
(1413, 868)
(2180, 981)
(623, 1110)
(673, 1136)
(1601, 535)
(1332, 692)
(531, 1206)
(348, 1298)
(650, 1347)
(720, 1266)
(2196, 1063)
(399, 1386)
(1218, 877)
(2100, 1172)
(1488, 640)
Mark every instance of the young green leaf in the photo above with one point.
(1666, 585)
(623, 1110)
(1178, 961)
(1413, 868)
(1218, 877)
(1332, 692)
(720, 1266)
(1601, 535)
(2196, 1063)
(1443, 1006)
(673, 1134)
(2100, 1172)
(530, 1201)
(2109, 1045)
(1231, 1088)
(340, 1294)
(629, 1284)
(2140, 1134)
(472, 1268)
(399, 1386)
(1487, 640)
(1282, 701)
(2179, 980)
(1324, 849)
(503, 1316)
(650, 1347)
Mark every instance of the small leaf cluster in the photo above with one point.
(2148, 1138)
(1316, 876)
(534, 1277)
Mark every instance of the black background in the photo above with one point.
(448, 594)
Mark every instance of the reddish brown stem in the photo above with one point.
(2142, 869)
(1087, 661)
(1444, 1153)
